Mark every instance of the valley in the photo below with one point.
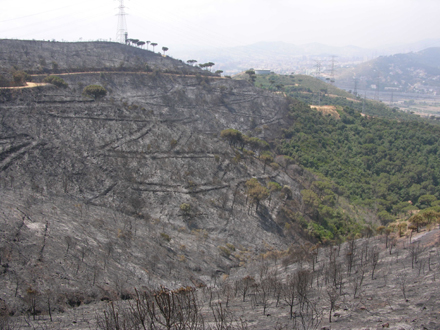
(223, 194)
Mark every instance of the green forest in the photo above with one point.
(378, 161)
(379, 158)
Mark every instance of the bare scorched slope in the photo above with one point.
(36, 56)
(100, 197)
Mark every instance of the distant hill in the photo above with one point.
(417, 72)
(410, 47)
(284, 57)
(270, 55)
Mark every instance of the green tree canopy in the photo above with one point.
(251, 74)
(426, 201)
(256, 192)
(55, 80)
(233, 136)
(95, 91)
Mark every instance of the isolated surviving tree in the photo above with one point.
(402, 227)
(256, 192)
(251, 74)
(164, 49)
(20, 78)
(279, 87)
(154, 44)
(267, 159)
(55, 80)
(418, 220)
(95, 91)
(210, 65)
(148, 43)
(234, 137)
(257, 145)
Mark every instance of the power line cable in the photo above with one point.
(41, 13)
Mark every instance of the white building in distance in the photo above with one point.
(262, 72)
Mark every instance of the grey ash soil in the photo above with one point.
(91, 195)
(91, 190)
(379, 301)
(35, 56)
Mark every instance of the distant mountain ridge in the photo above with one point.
(270, 55)
(282, 57)
(406, 72)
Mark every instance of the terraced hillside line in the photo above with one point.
(105, 186)
(99, 118)
(182, 190)
(200, 188)
(104, 193)
(9, 159)
(129, 138)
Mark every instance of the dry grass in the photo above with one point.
(327, 110)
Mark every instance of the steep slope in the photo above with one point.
(204, 103)
(135, 189)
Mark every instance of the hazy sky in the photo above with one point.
(223, 23)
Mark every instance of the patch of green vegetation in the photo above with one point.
(19, 78)
(165, 237)
(376, 162)
(55, 80)
(298, 83)
(95, 91)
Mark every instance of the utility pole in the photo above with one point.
(317, 75)
(121, 34)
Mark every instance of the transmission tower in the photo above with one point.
(363, 100)
(318, 68)
(121, 34)
(377, 93)
(355, 91)
(332, 74)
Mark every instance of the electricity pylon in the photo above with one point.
(121, 34)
